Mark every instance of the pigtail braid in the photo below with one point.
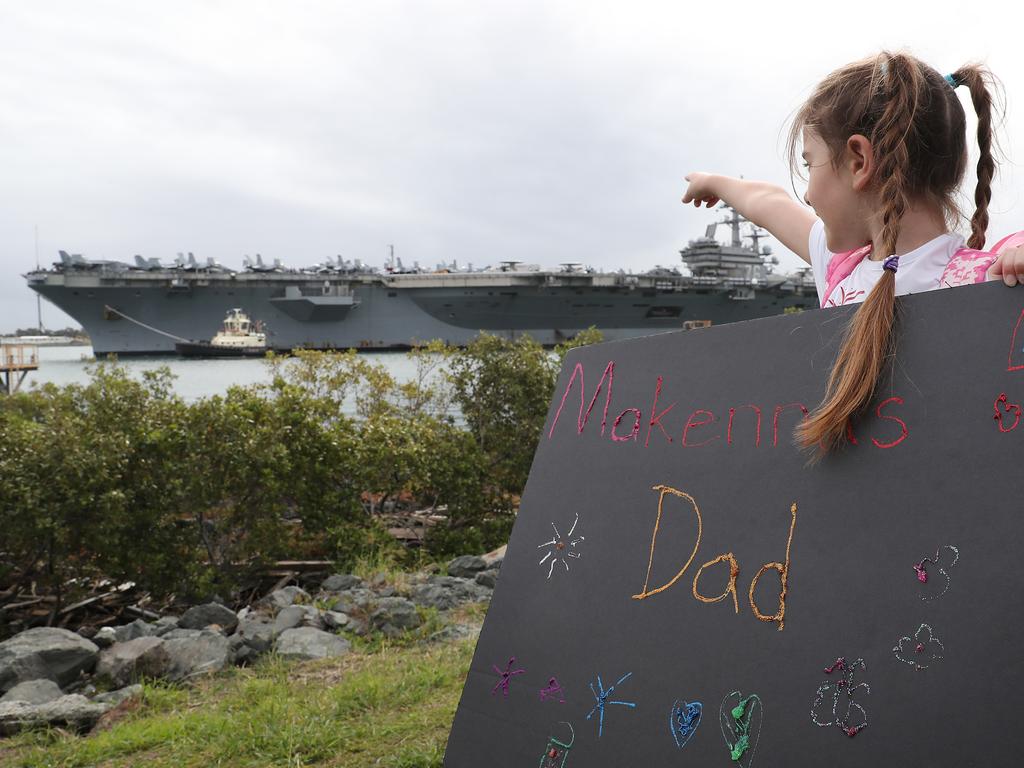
(974, 78)
(869, 339)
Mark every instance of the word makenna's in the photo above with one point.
(700, 428)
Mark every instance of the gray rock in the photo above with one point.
(113, 698)
(435, 596)
(258, 635)
(125, 663)
(466, 565)
(358, 625)
(488, 578)
(282, 598)
(105, 637)
(201, 616)
(465, 588)
(355, 600)
(74, 712)
(496, 558)
(335, 620)
(33, 692)
(395, 615)
(182, 634)
(136, 629)
(313, 618)
(246, 655)
(445, 592)
(454, 632)
(193, 656)
(165, 624)
(341, 582)
(45, 653)
(288, 618)
(303, 643)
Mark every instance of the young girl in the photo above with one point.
(884, 142)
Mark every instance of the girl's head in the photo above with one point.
(880, 137)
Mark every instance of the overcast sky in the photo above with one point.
(478, 131)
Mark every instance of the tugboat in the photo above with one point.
(238, 337)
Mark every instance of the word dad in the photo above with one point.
(727, 557)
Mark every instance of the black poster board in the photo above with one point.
(902, 556)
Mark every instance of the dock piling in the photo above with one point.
(16, 361)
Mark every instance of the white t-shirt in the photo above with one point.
(919, 270)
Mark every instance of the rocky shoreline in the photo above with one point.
(51, 677)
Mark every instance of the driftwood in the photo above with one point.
(101, 602)
(107, 604)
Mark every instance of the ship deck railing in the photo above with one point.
(16, 362)
(732, 282)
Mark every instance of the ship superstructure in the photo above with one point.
(146, 307)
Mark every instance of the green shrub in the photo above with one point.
(121, 478)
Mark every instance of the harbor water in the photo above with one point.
(194, 378)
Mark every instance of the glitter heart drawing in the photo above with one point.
(933, 573)
(740, 718)
(1002, 409)
(683, 719)
(920, 651)
(834, 703)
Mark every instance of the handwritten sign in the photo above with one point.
(681, 587)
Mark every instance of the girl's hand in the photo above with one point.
(700, 190)
(1009, 266)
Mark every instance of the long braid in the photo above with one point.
(868, 339)
(916, 127)
(974, 79)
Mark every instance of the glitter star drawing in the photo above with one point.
(505, 678)
(561, 548)
(601, 697)
(834, 701)
(553, 690)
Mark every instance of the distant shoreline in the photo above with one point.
(48, 341)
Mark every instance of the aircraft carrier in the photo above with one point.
(146, 307)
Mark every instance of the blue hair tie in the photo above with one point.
(953, 82)
(892, 263)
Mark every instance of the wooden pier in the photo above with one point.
(16, 361)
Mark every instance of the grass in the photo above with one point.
(388, 703)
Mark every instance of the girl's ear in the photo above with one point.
(860, 161)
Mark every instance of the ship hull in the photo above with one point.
(205, 349)
(147, 314)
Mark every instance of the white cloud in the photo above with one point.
(543, 131)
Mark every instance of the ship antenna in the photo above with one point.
(756, 234)
(39, 298)
(734, 222)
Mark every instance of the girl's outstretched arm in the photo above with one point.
(1009, 266)
(764, 204)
